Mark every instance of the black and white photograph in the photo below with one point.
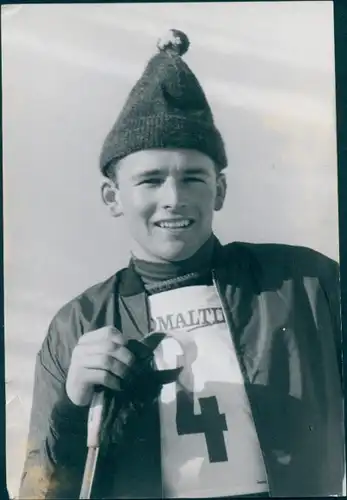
(171, 251)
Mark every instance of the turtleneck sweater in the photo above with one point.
(196, 270)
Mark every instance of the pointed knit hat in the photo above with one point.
(167, 108)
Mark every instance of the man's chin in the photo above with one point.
(175, 252)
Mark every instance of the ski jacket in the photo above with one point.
(283, 312)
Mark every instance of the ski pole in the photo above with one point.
(144, 349)
(93, 443)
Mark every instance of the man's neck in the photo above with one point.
(199, 263)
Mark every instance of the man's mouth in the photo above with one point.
(175, 224)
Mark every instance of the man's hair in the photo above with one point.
(111, 170)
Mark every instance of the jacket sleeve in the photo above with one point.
(56, 448)
(330, 283)
(336, 453)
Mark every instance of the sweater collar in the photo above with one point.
(199, 263)
(130, 282)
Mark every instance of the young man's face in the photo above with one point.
(168, 198)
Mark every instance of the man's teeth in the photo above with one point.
(175, 224)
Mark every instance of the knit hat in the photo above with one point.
(167, 108)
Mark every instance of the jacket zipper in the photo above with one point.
(227, 319)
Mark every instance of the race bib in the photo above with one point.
(208, 439)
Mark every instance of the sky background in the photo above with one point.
(268, 72)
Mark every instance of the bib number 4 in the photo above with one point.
(210, 422)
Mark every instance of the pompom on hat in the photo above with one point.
(167, 108)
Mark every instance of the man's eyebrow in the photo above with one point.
(147, 173)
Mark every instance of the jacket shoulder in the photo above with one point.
(288, 260)
(90, 310)
(95, 295)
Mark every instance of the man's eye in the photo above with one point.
(152, 182)
(193, 179)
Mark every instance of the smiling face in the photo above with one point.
(168, 198)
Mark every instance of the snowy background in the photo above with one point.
(268, 71)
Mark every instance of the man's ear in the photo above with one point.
(221, 192)
(110, 196)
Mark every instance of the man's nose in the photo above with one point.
(173, 194)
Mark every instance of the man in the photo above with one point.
(254, 407)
